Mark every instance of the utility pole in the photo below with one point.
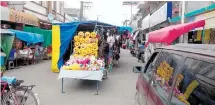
(182, 5)
(97, 17)
(82, 7)
(149, 18)
(131, 11)
(131, 3)
(64, 15)
(81, 11)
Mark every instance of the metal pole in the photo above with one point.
(126, 22)
(149, 19)
(203, 35)
(64, 17)
(81, 11)
(97, 20)
(62, 91)
(183, 12)
(131, 11)
(182, 19)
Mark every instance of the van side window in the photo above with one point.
(148, 66)
(166, 66)
(195, 85)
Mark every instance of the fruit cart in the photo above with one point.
(84, 61)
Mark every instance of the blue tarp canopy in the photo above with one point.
(122, 28)
(6, 31)
(86, 23)
(67, 31)
(27, 36)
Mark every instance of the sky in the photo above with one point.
(108, 11)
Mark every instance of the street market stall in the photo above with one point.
(15, 53)
(122, 28)
(7, 38)
(125, 33)
(167, 35)
(79, 40)
(47, 36)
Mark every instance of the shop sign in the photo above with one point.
(161, 15)
(21, 17)
(209, 18)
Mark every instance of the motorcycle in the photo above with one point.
(141, 56)
(132, 52)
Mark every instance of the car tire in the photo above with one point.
(137, 98)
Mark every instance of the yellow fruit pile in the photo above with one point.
(74, 66)
(165, 71)
(86, 44)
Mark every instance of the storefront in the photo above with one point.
(200, 35)
(208, 37)
(22, 17)
(5, 19)
(13, 19)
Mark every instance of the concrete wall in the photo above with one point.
(194, 5)
(134, 24)
(40, 16)
(35, 7)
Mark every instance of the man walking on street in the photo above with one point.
(141, 49)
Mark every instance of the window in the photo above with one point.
(40, 2)
(148, 67)
(61, 8)
(55, 5)
(165, 66)
(44, 3)
(195, 83)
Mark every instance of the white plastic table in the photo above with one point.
(81, 74)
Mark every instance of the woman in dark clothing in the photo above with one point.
(116, 52)
(106, 52)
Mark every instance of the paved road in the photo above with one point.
(118, 89)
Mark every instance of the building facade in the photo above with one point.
(159, 14)
(204, 11)
(41, 9)
(150, 11)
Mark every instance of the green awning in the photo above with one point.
(193, 13)
(47, 34)
(7, 43)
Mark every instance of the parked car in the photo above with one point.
(182, 74)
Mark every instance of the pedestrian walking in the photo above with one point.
(141, 49)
